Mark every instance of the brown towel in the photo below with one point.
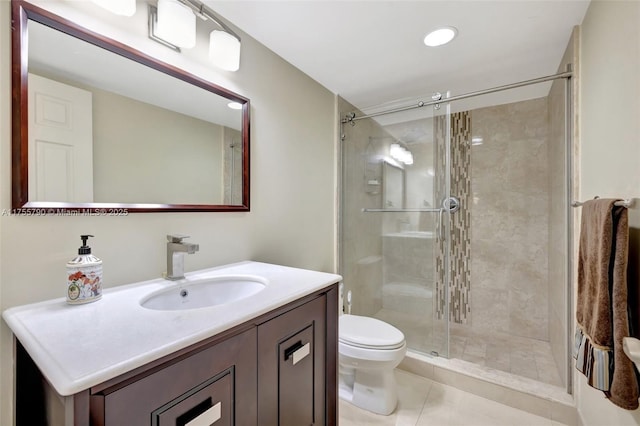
(602, 308)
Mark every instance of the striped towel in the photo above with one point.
(602, 306)
(595, 362)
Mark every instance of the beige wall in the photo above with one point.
(178, 160)
(292, 218)
(609, 160)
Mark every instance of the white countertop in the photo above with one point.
(79, 346)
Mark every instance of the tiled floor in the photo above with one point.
(521, 356)
(423, 402)
(500, 351)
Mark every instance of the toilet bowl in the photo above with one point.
(368, 351)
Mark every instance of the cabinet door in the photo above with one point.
(188, 390)
(295, 378)
(291, 367)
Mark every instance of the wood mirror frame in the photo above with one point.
(22, 12)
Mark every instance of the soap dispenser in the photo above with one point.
(84, 276)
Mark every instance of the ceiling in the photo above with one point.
(371, 52)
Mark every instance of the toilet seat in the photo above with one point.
(369, 333)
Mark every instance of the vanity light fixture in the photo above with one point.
(119, 7)
(224, 50)
(176, 23)
(440, 36)
(224, 44)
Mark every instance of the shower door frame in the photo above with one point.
(567, 75)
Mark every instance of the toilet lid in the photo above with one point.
(366, 332)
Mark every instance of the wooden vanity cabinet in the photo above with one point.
(278, 369)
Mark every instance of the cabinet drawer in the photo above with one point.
(226, 370)
(208, 404)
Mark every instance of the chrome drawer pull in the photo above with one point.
(207, 418)
(301, 353)
(297, 351)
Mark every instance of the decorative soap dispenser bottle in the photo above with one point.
(84, 276)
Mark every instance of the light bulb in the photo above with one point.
(176, 23)
(224, 50)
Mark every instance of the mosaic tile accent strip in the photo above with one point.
(439, 137)
(459, 223)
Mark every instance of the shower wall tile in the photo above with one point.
(490, 310)
(533, 302)
(488, 263)
(509, 221)
(407, 259)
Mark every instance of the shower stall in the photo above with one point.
(455, 225)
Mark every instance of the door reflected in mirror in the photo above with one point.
(108, 126)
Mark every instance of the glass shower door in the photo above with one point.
(397, 217)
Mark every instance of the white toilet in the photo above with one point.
(368, 351)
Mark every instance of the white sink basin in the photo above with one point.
(205, 292)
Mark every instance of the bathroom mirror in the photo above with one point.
(100, 126)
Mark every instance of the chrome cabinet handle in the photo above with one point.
(301, 353)
(297, 351)
(207, 418)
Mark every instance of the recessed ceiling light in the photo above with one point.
(440, 36)
(234, 105)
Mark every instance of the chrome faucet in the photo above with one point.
(176, 249)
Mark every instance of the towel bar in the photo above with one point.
(623, 203)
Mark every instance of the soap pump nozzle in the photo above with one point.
(85, 249)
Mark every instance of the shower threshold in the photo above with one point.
(526, 394)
